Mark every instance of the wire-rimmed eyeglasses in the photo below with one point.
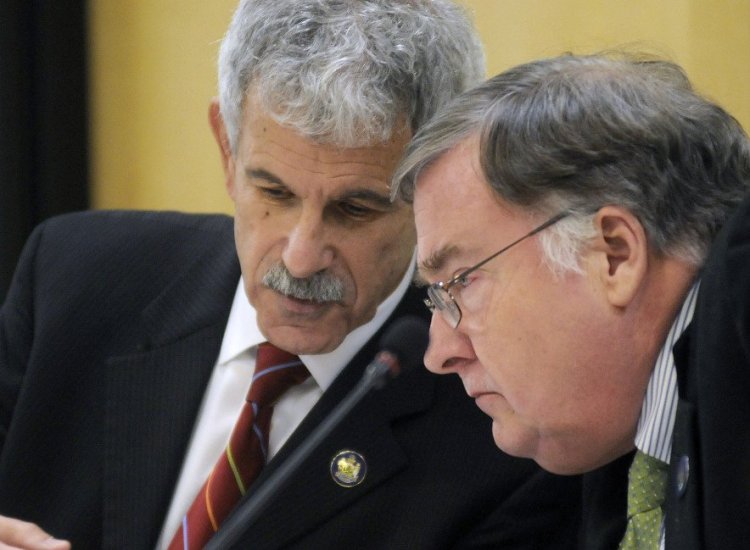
(439, 297)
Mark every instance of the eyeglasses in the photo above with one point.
(439, 293)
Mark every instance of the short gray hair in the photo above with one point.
(343, 72)
(581, 132)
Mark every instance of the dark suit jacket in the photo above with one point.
(708, 495)
(107, 340)
(708, 504)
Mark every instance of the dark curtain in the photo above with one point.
(43, 122)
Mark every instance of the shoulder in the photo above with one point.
(123, 256)
(724, 297)
(107, 226)
(731, 248)
(90, 239)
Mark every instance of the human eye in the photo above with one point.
(467, 289)
(461, 278)
(267, 185)
(460, 283)
(355, 210)
(360, 206)
(275, 193)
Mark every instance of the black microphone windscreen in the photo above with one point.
(407, 339)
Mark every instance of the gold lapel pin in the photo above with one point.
(348, 468)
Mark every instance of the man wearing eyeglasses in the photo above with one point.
(582, 232)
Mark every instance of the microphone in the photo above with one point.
(402, 347)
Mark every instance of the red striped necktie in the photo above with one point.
(275, 372)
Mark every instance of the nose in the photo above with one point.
(449, 348)
(308, 248)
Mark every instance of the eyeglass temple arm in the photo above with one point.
(553, 220)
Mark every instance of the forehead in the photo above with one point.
(288, 155)
(458, 216)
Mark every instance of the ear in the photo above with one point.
(220, 134)
(620, 254)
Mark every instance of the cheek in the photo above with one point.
(255, 232)
(392, 259)
(244, 241)
(379, 259)
(513, 344)
(546, 346)
(396, 252)
(375, 266)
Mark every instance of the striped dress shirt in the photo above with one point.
(656, 423)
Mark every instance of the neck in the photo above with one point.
(666, 284)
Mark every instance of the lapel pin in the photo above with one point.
(348, 468)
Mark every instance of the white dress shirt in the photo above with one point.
(230, 382)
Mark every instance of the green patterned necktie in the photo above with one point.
(646, 489)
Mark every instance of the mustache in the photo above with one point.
(320, 287)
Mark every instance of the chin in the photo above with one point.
(302, 340)
(513, 440)
(558, 467)
(557, 459)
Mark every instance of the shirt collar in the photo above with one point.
(656, 423)
(242, 333)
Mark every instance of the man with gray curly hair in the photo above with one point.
(583, 228)
(129, 340)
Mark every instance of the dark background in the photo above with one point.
(43, 120)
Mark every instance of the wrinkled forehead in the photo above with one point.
(342, 134)
(448, 234)
(459, 218)
(287, 156)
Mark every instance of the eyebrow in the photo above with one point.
(435, 261)
(262, 174)
(380, 200)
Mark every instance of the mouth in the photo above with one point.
(303, 307)
(484, 402)
(478, 394)
(483, 397)
(476, 389)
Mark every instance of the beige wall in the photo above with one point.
(153, 74)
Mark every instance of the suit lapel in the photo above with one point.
(153, 394)
(605, 495)
(681, 352)
(682, 520)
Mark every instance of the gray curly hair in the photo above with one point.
(346, 72)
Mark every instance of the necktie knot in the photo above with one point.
(275, 372)
(647, 483)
